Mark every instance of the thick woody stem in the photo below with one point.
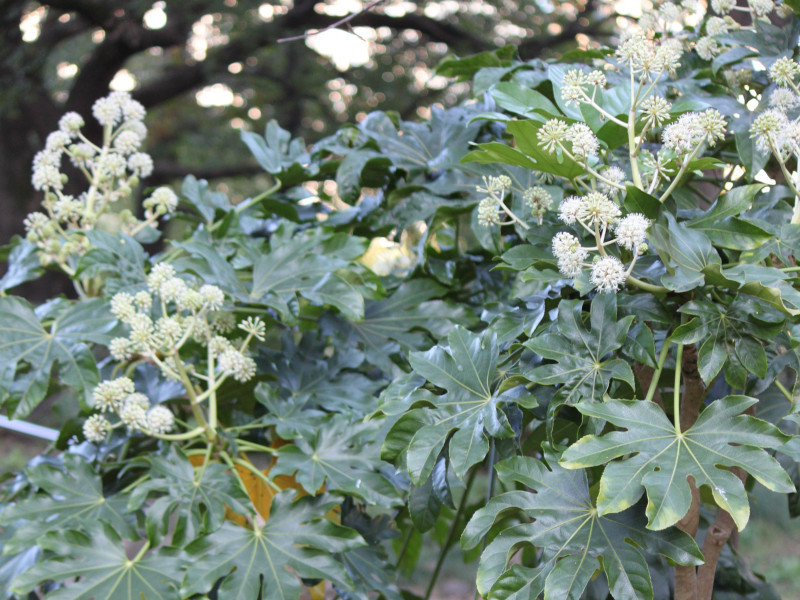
(686, 578)
(718, 534)
(694, 391)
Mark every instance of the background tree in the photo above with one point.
(61, 55)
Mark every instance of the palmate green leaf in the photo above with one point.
(730, 337)
(195, 496)
(401, 319)
(296, 536)
(22, 257)
(70, 498)
(100, 563)
(659, 460)
(29, 350)
(686, 253)
(279, 154)
(584, 361)
(575, 539)
(465, 368)
(436, 144)
(308, 264)
(765, 283)
(342, 456)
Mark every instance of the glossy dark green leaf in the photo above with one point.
(30, 350)
(575, 538)
(465, 368)
(583, 359)
(70, 497)
(23, 263)
(256, 559)
(103, 570)
(656, 458)
(196, 497)
(342, 456)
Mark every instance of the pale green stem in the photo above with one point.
(676, 398)
(676, 180)
(631, 126)
(177, 437)
(662, 357)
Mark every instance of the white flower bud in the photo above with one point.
(106, 111)
(140, 164)
(584, 141)
(488, 212)
(127, 142)
(122, 306)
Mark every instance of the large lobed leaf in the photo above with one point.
(657, 458)
(296, 537)
(30, 349)
(99, 560)
(575, 538)
(465, 368)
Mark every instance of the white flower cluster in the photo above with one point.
(132, 409)
(692, 130)
(112, 169)
(555, 133)
(185, 314)
(773, 129)
(647, 58)
(596, 213)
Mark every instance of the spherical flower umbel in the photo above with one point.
(96, 428)
(596, 208)
(608, 274)
(551, 134)
(70, 123)
(110, 394)
(159, 275)
(707, 48)
(584, 141)
(784, 98)
(722, 7)
(784, 70)
(569, 253)
(569, 209)
(488, 212)
(159, 420)
(631, 231)
(234, 363)
(655, 110)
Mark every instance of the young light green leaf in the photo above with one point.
(658, 459)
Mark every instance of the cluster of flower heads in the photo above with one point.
(182, 314)
(492, 209)
(112, 169)
(597, 214)
(776, 131)
(133, 410)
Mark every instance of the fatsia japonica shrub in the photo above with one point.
(556, 325)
